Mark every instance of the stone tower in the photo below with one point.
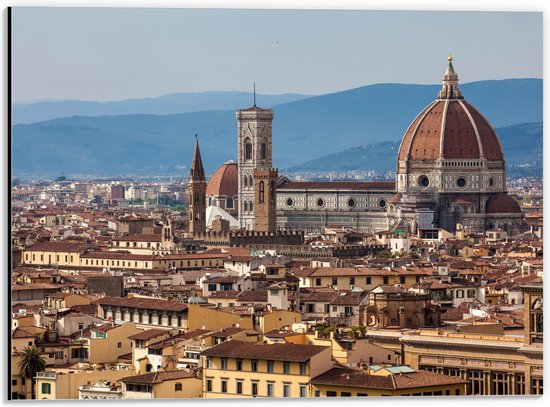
(167, 239)
(255, 132)
(197, 194)
(265, 199)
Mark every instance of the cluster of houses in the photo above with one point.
(126, 305)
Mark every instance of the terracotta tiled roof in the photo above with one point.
(224, 181)
(348, 377)
(148, 334)
(395, 198)
(303, 272)
(463, 198)
(230, 251)
(21, 333)
(158, 377)
(276, 333)
(280, 351)
(349, 298)
(502, 203)
(253, 296)
(227, 332)
(456, 124)
(57, 246)
(320, 296)
(239, 258)
(255, 108)
(391, 289)
(178, 338)
(229, 294)
(38, 286)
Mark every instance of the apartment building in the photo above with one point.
(243, 369)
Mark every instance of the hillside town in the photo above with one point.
(250, 284)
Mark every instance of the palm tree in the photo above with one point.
(31, 363)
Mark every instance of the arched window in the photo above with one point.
(251, 206)
(261, 192)
(536, 316)
(246, 206)
(197, 199)
(247, 149)
(210, 201)
(250, 181)
(229, 203)
(263, 151)
(245, 181)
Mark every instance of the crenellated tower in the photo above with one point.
(265, 199)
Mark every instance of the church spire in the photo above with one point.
(450, 83)
(197, 170)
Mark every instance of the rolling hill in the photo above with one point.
(303, 130)
(522, 146)
(168, 104)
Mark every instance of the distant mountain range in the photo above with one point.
(163, 105)
(303, 130)
(522, 146)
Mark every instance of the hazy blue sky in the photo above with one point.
(110, 54)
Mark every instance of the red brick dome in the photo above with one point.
(224, 181)
(502, 203)
(450, 128)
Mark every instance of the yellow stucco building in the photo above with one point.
(242, 369)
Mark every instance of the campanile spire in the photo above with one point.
(197, 170)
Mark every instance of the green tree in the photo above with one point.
(31, 363)
(178, 208)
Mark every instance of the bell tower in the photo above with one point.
(197, 194)
(255, 152)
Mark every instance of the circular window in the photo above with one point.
(423, 181)
(289, 202)
(382, 203)
(491, 182)
(461, 182)
(320, 202)
(351, 202)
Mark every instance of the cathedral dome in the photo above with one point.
(224, 182)
(450, 128)
(502, 203)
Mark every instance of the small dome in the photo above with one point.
(450, 128)
(395, 198)
(224, 181)
(196, 300)
(502, 203)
